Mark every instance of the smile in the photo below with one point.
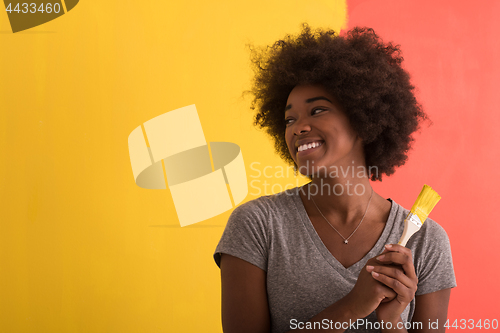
(309, 147)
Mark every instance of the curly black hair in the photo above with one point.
(363, 73)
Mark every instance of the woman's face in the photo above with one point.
(312, 115)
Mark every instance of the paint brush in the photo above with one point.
(427, 199)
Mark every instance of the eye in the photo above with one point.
(317, 109)
(287, 121)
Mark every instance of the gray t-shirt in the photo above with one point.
(274, 233)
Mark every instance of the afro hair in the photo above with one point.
(363, 73)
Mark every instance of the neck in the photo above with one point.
(344, 199)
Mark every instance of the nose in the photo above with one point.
(301, 127)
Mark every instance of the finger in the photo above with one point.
(399, 259)
(388, 248)
(392, 258)
(397, 248)
(394, 273)
(375, 262)
(385, 251)
(399, 255)
(386, 293)
(394, 284)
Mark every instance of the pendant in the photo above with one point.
(345, 241)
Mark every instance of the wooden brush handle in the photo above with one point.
(410, 228)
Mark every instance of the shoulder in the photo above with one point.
(263, 216)
(255, 209)
(265, 208)
(431, 241)
(431, 233)
(250, 228)
(430, 237)
(252, 219)
(432, 258)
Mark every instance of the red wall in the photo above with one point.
(452, 51)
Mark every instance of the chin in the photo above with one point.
(313, 170)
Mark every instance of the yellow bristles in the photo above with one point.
(427, 199)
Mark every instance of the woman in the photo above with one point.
(324, 256)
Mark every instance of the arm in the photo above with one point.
(245, 306)
(429, 307)
(244, 297)
(432, 306)
(399, 274)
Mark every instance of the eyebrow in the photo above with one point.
(310, 100)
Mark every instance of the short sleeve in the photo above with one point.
(433, 259)
(245, 235)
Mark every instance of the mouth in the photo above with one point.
(309, 148)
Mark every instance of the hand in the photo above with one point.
(368, 293)
(398, 273)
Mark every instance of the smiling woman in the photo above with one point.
(363, 76)
(337, 143)
(318, 257)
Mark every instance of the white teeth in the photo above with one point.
(308, 146)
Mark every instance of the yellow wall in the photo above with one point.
(82, 247)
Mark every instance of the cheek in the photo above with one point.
(288, 140)
(344, 141)
(348, 130)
